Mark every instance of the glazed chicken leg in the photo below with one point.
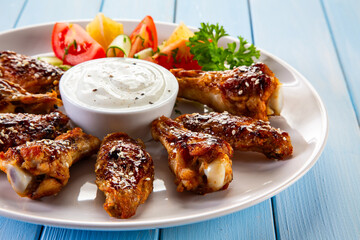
(41, 168)
(243, 133)
(33, 75)
(250, 91)
(17, 129)
(14, 98)
(200, 162)
(125, 173)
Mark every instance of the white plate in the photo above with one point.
(79, 204)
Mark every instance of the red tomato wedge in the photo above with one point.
(176, 55)
(144, 36)
(72, 44)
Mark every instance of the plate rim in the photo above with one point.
(184, 220)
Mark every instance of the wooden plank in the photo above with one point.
(11, 229)
(343, 17)
(324, 204)
(41, 11)
(61, 233)
(234, 17)
(160, 10)
(10, 13)
(252, 223)
(255, 222)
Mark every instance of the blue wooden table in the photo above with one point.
(321, 39)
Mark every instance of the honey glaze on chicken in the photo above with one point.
(17, 129)
(41, 168)
(242, 133)
(252, 91)
(14, 99)
(33, 75)
(125, 173)
(201, 162)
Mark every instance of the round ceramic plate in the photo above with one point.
(79, 204)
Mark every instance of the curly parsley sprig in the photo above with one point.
(204, 46)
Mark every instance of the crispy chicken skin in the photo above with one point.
(125, 173)
(17, 129)
(14, 98)
(242, 91)
(41, 168)
(33, 75)
(243, 133)
(201, 162)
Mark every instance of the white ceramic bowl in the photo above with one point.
(99, 121)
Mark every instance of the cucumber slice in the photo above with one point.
(55, 62)
(64, 67)
(147, 52)
(51, 60)
(119, 47)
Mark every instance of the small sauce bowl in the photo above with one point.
(118, 94)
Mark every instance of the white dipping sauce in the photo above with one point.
(117, 83)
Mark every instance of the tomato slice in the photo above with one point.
(71, 43)
(176, 55)
(144, 36)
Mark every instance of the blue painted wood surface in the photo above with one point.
(234, 15)
(40, 11)
(321, 40)
(241, 225)
(160, 10)
(11, 229)
(343, 20)
(325, 202)
(11, 12)
(60, 233)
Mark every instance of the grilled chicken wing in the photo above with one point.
(41, 168)
(33, 75)
(200, 162)
(243, 133)
(251, 91)
(14, 98)
(17, 129)
(125, 173)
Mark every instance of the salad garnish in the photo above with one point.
(185, 49)
(204, 46)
